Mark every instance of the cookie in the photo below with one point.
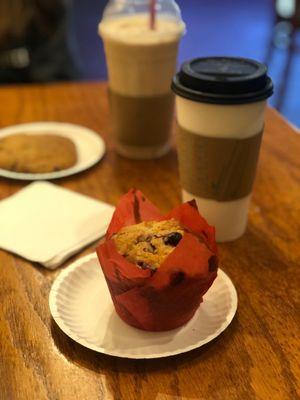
(149, 243)
(37, 153)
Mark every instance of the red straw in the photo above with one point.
(152, 14)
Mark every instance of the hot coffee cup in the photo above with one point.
(221, 105)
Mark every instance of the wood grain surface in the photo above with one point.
(257, 357)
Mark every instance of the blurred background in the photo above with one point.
(57, 40)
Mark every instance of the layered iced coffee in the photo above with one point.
(141, 62)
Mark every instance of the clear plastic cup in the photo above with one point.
(141, 62)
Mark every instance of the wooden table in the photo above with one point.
(255, 358)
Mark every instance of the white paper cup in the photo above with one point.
(220, 110)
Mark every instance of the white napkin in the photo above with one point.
(45, 223)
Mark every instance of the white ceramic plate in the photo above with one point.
(89, 145)
(81, 305)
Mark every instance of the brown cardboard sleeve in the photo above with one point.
(221, 169)
(141, 121)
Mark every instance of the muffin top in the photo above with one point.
(149, 243)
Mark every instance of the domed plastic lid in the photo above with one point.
(223, 80)
(119, 8)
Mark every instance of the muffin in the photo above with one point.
(157, 267)
(149, 243)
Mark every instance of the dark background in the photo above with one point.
(214, 27)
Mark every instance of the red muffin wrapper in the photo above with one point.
(167, 298)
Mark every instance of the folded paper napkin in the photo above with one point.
(47, 224)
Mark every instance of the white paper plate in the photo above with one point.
(81, 305)
(89, 145)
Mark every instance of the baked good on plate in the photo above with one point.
(157, 267)
(149, 243)
(37, 153)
